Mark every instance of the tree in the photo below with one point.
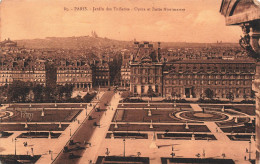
(68, 88)
(38, 93)
(209, 93)
(60, 90)
(47, 94)
(230, 96)
(18, 91)
(150, 92)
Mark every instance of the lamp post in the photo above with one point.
(172, 154)
(249, 153)
(107, 152)
(124, 146)
(15, 146)
(51, 154)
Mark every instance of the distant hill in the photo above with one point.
(85, 42)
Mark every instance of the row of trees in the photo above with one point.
(210, 95)
(20, 91)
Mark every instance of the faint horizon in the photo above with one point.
(50, 37)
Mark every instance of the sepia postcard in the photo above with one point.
(129, 81)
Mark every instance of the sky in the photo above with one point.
(198, 21)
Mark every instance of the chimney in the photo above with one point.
(159, 49)
(146, 44)
(136, 44)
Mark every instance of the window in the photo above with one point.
(135, 89)
(142, 89)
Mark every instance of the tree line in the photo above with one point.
(21, 92)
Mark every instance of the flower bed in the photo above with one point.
(240, 129)
(128, 135)
(50, 115)
(240, 137)
(38, 135)
(18, 159)
(33, 127)
(185, 136)
(5, 134)
(197, 160)
(120, 160)
(171, 128)
(137, 115)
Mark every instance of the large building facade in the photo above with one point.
(101, 74)
(23, 70)
(189, 78)
(125, 74)
(76, 73)
(146, 71)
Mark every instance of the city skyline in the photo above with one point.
(199, 23)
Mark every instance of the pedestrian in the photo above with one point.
(217, 130)
(78, 121)
(245, 158)
(89, 144)
(84, 142)
(246, 150)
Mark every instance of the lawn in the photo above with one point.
(239, 137)
(128, 135)
(185, 136)
(240, 129)
(206, 116)
(240, 121)
(196, 160)
(247, 109)
(171, 128)
(13, 159)
(5, 134)
(139, 115)
(38, 135)
(50, 115)
(33, 127)
(121, 160)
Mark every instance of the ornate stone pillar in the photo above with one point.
(256, 88)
